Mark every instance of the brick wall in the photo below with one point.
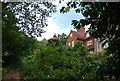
(70, 39)
(94, 45)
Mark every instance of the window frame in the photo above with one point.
(71, 35)
(99, 46)
(69, 44)
(92, 51)
(87, 35)
(73, 43)
(90, 42)
(106, 45)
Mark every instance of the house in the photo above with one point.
(81, 35)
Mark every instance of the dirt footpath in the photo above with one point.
(12, 74)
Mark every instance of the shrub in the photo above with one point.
(61, 63)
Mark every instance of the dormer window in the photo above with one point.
(71, 35)
(89, 43)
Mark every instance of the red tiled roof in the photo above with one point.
(79, 35)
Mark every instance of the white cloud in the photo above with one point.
(50, 29)
(53, 28)
(68, 31)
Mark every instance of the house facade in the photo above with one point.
(80, 35)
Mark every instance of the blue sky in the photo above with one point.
(60, 23)
(64, 20)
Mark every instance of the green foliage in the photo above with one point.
(42, 43)
(61, 63)
(104, 22)
(15, 43)
(79, 47)
(31, 16)
(54, 42)
(63, 38)
(109, 68)
(52, 63)
(20, 25)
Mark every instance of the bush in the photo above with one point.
(60, 63)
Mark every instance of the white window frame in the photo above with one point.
(69, 44)
(87, 34)
(99, 46)
(106, 45)
(89, 43)
(72, 43)
(71, 35)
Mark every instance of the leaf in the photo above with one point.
(73, 5)
(74, 22)
(83, 22)
(85, 14)
(69, 3)
(62, 9)
(77, 10)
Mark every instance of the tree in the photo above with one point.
(19, 20)
(54, 42)
(15, 44)
(104, 24)
(42, 43)
(63, 35)
(63, 38)
(31, 16)
(79, 47)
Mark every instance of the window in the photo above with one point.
(71, 35)
(92, 51)
(99, 46)
(68, 44)
(106, 45)
(72, 43)
(89, 43)
(87, 34)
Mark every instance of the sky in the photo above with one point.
(60, 23)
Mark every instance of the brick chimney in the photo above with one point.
(54, 36)
(81, 31)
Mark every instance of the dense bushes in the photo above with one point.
(15, 44)
(60, 63)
